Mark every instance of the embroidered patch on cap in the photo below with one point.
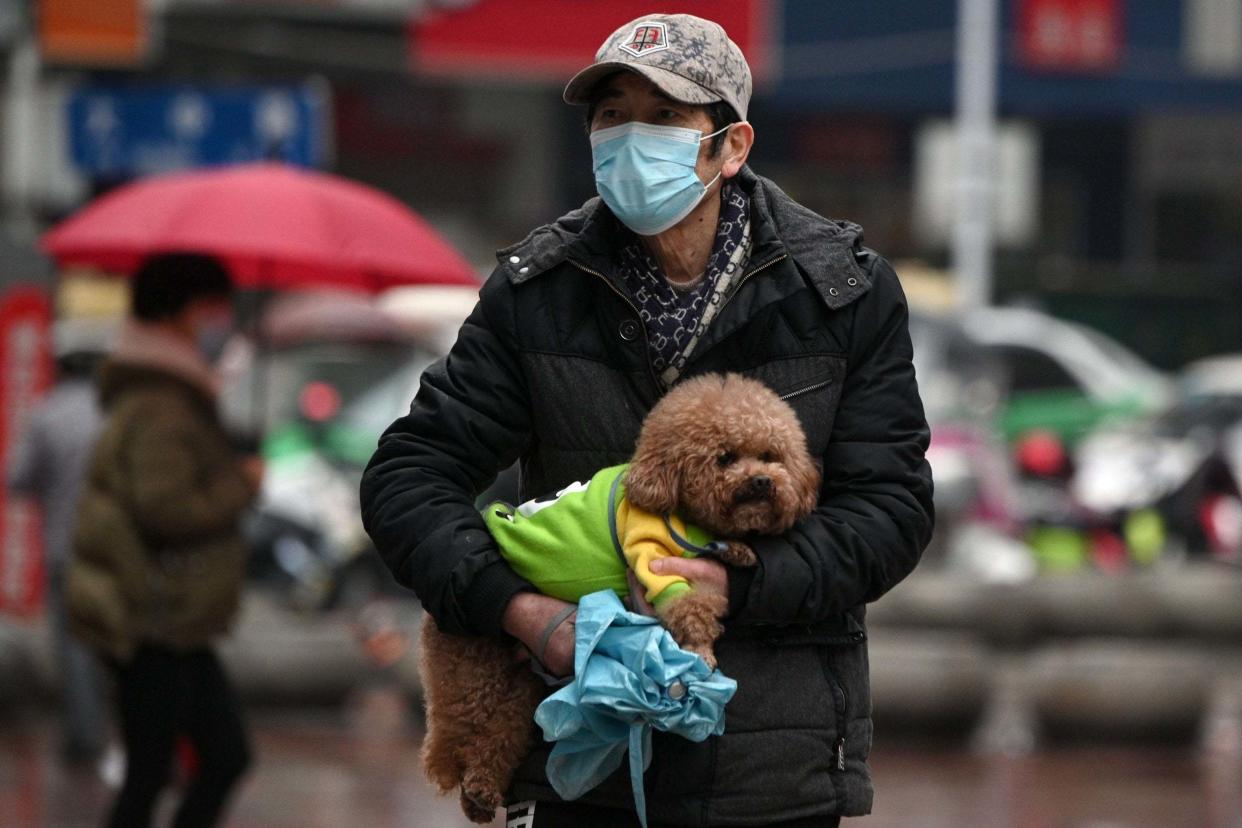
(647, 38)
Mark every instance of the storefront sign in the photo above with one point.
(25, 373)
(552, 39)
(1212, 37)
(93, 32)
(1014, 183)
(1070, 35)
(139, 130)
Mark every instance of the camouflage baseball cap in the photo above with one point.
(690, 59)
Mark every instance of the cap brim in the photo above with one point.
(578, 90)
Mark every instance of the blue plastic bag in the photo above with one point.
(629, 677)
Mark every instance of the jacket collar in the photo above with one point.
(829, 252)
(146, 355)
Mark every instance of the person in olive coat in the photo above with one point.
(688, 263)
(158, 558)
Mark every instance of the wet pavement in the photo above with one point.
(317, 769)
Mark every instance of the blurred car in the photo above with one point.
(1062, 376)
(1039, 372)
(430, 313)
(977, 517)
(329, 374)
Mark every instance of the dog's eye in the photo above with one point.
(767, 457)
(728, 458)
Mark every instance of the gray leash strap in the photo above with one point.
(538, 665)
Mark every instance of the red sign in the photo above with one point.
(93, 32)
(1070, 35)
(25, 373)
(553, 39)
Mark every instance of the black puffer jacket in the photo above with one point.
(551, 369)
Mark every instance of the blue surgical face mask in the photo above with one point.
(212, 335)
(646, 173)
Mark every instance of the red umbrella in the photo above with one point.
(274, 225)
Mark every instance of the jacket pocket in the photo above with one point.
(780, 680)
(811, 384)
(98, 613)
(836, 645)
(787, 731)
(840, 709)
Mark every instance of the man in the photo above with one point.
(48, 465)
(688, 263)
(158, 556)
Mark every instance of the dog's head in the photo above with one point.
(729, 454)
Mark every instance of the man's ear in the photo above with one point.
(738, 141)
(652, 483)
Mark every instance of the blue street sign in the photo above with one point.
(120, 132)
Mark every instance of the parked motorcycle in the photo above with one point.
(1158, 492)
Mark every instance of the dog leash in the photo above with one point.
(537, 664)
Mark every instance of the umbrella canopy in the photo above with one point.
(629, 677)
(274, 225)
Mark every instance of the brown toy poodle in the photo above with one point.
(721, 452)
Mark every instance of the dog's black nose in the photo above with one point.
(755, 488)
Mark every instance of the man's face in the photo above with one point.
(210, 312)
(627, 96)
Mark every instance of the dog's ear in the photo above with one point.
(653, 482)
(805, 474)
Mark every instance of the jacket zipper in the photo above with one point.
(808, 389)
(633, 307)
(841, 701)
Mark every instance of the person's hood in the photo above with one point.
(145, 354)
(829, 251)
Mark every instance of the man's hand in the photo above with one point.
(526, 618)
(253, 469)
(704, 574)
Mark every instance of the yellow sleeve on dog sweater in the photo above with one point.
(644, 538)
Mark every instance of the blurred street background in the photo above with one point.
(1058, 183)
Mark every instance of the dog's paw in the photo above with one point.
(694, 621)
(480, 805)
(706, 653)
(736, 553)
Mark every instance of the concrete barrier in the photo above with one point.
(1116, 688)
(921, 679)
(1205, 603)
(276, 656)
(1193, 601)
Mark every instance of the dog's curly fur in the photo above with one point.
(723, 451)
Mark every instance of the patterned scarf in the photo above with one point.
(675, 320)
